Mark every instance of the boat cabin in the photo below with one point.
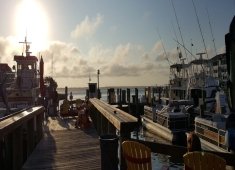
(26, 72)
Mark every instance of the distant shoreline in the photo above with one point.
(115, 87)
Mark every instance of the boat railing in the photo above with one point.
(19, 135)
(173, 123)
(211, 133)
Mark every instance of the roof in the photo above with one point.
(23, 58)
(219, 57)
(199, 61)
(4, 67)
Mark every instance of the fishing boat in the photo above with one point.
(23, 89)
(170, 121)
(24, 86)
(217, 129)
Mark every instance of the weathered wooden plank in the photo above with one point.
(115, 116)
(17, 120)
(19, 134)
(66, 149)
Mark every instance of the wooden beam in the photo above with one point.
(117, 117)
(11, 123)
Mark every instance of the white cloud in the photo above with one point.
(124, 62)
(9, 48)
(87, 27)
(157, 47)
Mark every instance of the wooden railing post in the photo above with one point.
(104, 125)
(17, 147)
(111, 129)
(98, 118)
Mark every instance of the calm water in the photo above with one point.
(159, 161)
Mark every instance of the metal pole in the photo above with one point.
(98, 75)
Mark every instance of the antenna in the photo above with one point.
(52, 66)
(191, 46)
(200, 54)
(185, 48)
(89, 77)
(27, 46)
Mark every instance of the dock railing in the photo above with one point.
(108, 120)
(19, 134)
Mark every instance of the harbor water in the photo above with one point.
(159, 161)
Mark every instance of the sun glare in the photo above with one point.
(31, 21)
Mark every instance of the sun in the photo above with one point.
(31, 21)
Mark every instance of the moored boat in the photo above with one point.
(217, 130)
(171, 122)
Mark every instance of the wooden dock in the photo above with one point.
(64, 147)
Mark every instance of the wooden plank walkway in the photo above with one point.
(64, 147)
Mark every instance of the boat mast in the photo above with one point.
(52, 65)
(27, 46)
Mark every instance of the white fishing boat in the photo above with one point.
(217, 129)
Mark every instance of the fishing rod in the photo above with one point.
(185, 48)
(212, 35)
(178, 27)
(200, 29)
(188, 52)
(178, 48)
(164, 48)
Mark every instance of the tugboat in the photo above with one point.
(22, 89)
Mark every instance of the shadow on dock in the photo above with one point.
(65, 147)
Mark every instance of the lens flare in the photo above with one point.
(31, 21)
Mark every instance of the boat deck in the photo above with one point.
(64, 147)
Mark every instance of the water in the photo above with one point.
(159, 161)
(80, 93)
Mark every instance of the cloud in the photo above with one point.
(125, 60)
(8, 48)
(87, 27)
(69, 63)
(157, 47)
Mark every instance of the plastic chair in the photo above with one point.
(137, 155)
(203, 161)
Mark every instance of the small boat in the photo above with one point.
(171, 122)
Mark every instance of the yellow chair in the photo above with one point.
(203, 161)
(137, 155)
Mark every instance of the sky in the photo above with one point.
(131, 42)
